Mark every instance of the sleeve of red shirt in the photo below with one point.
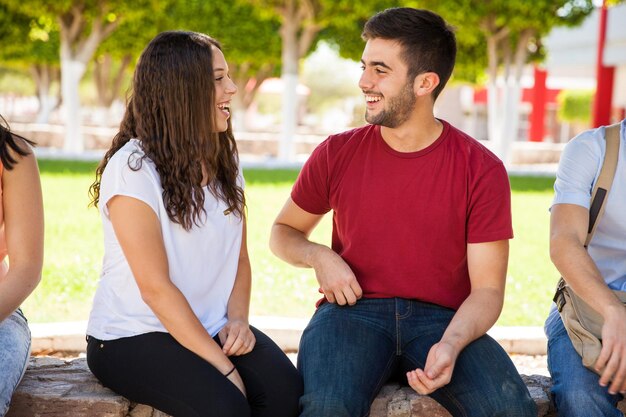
(311, 190)
(489, 211)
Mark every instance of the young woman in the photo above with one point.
(21, 241)
(169, 325)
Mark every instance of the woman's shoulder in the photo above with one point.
(130, 156)
(130, 161)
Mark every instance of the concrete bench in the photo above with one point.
(53, 388)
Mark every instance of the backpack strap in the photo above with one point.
(605, 179)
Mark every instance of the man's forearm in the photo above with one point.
(293, 246)
(477, 314)
(581, 274)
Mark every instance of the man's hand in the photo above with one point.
(237, 338)
(437, 372)
(336, 279)
(612, 359)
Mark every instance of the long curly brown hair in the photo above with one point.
(171, 110)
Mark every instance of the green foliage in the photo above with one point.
(27, 39)
(478, 20)
(13, 29)
(575, 105)
(345, 33)
(474, 20)
(249, 38)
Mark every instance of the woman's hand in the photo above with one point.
(237, 338)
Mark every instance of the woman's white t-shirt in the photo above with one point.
(202, 261)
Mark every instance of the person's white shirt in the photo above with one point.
(579, 168)
(202, 261)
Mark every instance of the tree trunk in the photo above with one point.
(72, 72)
(298, 30)
(289, 77)
(108, 86)
(43, 76)
(504, 100)
(78, 44)
(510, 126)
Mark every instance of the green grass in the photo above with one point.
(531, 277)
(73, 246)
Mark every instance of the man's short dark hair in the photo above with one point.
(428, 41)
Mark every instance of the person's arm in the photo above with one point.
(24, 230)
(138, 231)
(568, 230)
(487, 265)
(236, 336)
(290, 241)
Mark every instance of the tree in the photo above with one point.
(301, 21)
(33, 43)
(512, 31)
(248, 37)
(83, 25)
(345, 34)
(116, 56)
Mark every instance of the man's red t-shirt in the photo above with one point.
(402, 221)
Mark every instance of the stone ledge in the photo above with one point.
(53, 388)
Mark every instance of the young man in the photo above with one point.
(591, 273)
(421, 222)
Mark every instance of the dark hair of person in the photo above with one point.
(428, 41)
(10, 141)
(171, 111)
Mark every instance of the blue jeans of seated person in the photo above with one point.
(14, 354)
(348, 352)
(575, 389)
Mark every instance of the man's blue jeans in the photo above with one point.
(347, 353)
(14, 354)
(575, 389)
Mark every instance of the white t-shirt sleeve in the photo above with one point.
(138, 182)
(578, 169)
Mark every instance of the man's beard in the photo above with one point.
(398, 110)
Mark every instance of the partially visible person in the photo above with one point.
(421, 226)
(169, 325)
(592, 274)
(21, 243)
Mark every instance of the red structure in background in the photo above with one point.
(604, 77)
(538, 102)
(538, 97)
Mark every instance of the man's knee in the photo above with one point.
(506, 404)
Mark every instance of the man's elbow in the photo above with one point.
(276, 238)
(557, 244)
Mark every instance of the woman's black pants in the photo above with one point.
(156, 370)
